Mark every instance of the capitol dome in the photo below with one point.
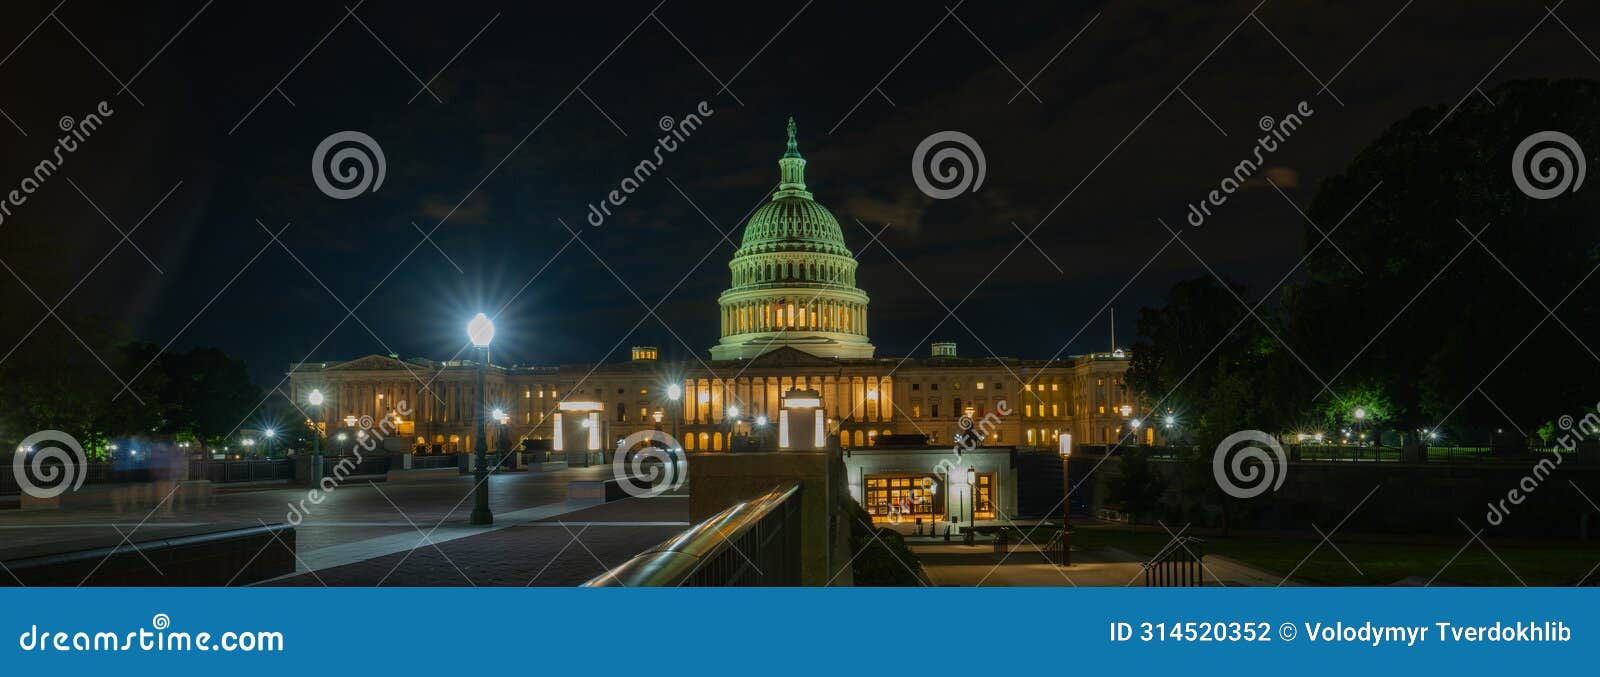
(794, 278)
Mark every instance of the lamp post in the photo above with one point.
(270, 434)
(972, 505)
(1360, 415)
(675, 395)
(1065, 450)
(315, 399)
(481, 331)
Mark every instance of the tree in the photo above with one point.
(1139, 488)
(1448, 329)
(207, 394)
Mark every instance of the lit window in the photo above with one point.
(1055, 410)
(1055, 386)
(980, 385)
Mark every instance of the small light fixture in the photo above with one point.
(315, 398)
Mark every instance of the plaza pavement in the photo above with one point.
(979, 565)
(363, 530)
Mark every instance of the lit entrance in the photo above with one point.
(904, 498)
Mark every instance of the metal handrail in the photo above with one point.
(676, 560)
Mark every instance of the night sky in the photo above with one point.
(539, 112)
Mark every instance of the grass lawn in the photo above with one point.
(1380, 563)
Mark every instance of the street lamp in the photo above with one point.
(972, 504)
(481, 331)
(1065, 450)
(675, 394)
(249, 445)
(270, 434)
(316, 399)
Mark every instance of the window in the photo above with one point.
(934, 409)
(1055, 410)
(916, 411)
(1055, 386)
(999, 385)
(934, 386)
(916, 386)
(893, 498)
(1027, 410)
(622, 412)
(980, 385)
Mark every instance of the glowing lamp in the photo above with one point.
(480, 330)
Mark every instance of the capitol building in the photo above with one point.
(792, 318)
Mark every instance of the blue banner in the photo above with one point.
(792, 631)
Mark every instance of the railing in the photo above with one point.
(93, 473)
(255, 470)
(752, 543)
(1177, 565)
(362, 465)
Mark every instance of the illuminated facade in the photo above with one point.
(792, 319)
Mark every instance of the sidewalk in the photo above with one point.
(565, 546)
(979, 566)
